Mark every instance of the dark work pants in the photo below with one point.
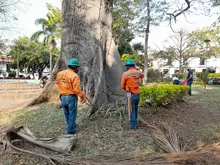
(69, 105)
(189, 83)
(135, 98)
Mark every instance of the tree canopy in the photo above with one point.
(51, 30)
(32, 55)
(124, 12)
(51, 27)
(138, 47)
(3, 46)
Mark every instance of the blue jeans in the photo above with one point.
(69, 105)
(135, 98)
(176, 82)
(189, 83)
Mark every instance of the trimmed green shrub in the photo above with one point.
(214, 75)
(162, 94)
(165, 82)
(198, 83)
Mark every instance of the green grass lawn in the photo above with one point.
(198, 117)
(209, 98)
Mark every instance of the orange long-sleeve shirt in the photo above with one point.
(131, 79)
(69, 83)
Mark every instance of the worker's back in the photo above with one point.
(131, 80)
(65, 80)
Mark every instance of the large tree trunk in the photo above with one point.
(147, 31)
(87, 35)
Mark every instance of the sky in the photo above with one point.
(37, 9)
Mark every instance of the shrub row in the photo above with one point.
(214, 75)
(170, 82)
(159, 95)
(198, 83)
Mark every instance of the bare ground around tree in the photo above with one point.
(196, 120)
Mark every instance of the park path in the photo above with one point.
(9, 104)
(17, 94)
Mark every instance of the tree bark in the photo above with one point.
(146, 42)
(87, 35)
(181, 64)
(51, 67)
(39, 74)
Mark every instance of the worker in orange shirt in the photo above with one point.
(130, 83)
(69, 87)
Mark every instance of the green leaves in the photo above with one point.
(138, 47)
(123, 14)
(32, 55)
(207, 49)
(214, 75)
(162, 94)
(51, 27)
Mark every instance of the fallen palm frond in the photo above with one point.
(165, 138)
(169, 141)
(206, 155)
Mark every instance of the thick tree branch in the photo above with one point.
(178, 12)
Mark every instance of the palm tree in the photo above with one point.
(49, 32)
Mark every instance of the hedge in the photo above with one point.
(198, 83)
(214, 75)
(162, 94)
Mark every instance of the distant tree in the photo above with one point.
(31, 55)
(138, 47)
(168, 55)
(3, 46)
(51, 29)
(123, 13)
(178, 47)
(211, 34)
(125, 48)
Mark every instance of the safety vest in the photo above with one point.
(69, 83)
(131, 80)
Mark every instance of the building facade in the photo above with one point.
(196, 64)
(4, 62)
